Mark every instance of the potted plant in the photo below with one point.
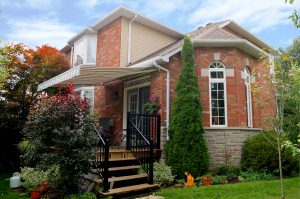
(207, 180)
(152, 105)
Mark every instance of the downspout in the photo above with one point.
(129, 39)
(167, 95)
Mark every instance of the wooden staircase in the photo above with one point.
(125, 175)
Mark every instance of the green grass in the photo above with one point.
(5, 192)
(246, 190)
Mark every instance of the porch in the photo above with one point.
(130, 137)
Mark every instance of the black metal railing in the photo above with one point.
(148, 125)
(139, 140)
(102, 159)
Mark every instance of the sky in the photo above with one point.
(54, 22)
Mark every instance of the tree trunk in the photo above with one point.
(280, 167)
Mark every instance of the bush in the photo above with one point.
(35, 177)
(162, 174)
(260, 154)
(60, 131)
(83, 196)
(219, 179)
(255, 176)
(186, 150)
(228, 170)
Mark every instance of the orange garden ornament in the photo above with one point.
(190, 180)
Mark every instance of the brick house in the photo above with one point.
(125, 57)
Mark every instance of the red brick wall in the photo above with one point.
(108, 106)
(235, 85)
(109, 45)
(108, 55)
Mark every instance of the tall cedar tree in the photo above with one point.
(186, 150)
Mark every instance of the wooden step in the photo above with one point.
(122, 178)
(122, 159)
(120, 168)
(128, 189)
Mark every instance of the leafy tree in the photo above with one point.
(26, 68)
(61, 131)
(295, 16)
(186, 150)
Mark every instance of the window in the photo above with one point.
(85, 51)
(217, 94)
(87, 92)
(248, 96)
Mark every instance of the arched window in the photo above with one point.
(248, 96)
(217, 94)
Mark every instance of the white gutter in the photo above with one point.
(129, 39)
(167, 95)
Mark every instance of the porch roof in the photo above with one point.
(93, 75)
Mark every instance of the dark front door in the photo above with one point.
(136, 98)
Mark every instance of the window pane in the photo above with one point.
(221, 112)
(214, 120)
(221, 120)
(214, 86)
(213, 74)
(220, 75)
(220, 86)
(214, 103)
(214, 94)
(214, 112)
(221, 103)
(220, 94)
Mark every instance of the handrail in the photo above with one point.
(141, 147)
(137, 129)
(102, 163)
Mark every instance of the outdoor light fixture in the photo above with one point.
(115, 95)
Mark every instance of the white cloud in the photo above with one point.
(34, 4)
(39, 31)
(257, 15)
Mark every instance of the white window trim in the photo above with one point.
(84, 39)
(248, 98)
(225, 92)
(85, 88)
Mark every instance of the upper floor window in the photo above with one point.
(85, 50)
(248, 96)
(217, 94)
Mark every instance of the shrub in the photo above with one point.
(83, 196)
(260, 154)
(228, 170)
(35, 177)
(186, 150)
(60, 131)
(219, 179)
(255, 176)
(162, 174)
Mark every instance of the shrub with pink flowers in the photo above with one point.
(152, 105)
(60, 131)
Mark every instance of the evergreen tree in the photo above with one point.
(186, 150)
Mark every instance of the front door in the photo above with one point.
(136, 98)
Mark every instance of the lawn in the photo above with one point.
(256, 190)
(5, 190)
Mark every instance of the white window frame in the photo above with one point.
(85, 39)
(248, 97)
(217, 80)
(87, 88)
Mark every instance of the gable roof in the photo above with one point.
(216, 35)
(125, 12)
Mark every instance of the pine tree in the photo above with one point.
(186, 150)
